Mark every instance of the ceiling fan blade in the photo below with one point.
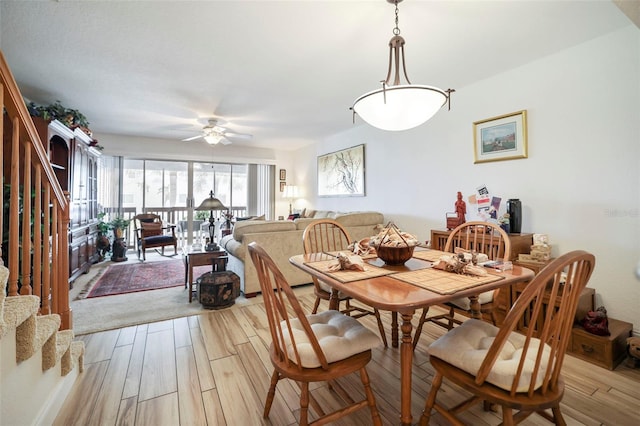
(225, 141)
(238, 135)
(192, 138)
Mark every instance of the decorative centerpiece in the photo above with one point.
(394, 246)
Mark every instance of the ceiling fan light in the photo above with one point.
(213, 139)
(400, 107)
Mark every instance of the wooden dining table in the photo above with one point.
(402, 290)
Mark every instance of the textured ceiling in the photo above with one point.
(286, 71)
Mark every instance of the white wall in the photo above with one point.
(580, 183)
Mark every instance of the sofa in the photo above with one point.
(283, 239)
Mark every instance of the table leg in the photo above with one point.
(334, 301)
(394, 329)
(475, 307)
(190, 284)
(406, 364)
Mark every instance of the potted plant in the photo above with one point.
(103, 244)
(119, 224)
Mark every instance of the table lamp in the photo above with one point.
(290, 193)
(211, 203)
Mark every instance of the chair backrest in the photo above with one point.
(283, 311)
(147, 225)
(325, 235)
(563, 281)
(481, 237)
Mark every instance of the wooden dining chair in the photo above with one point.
(479, 237)
(502, 366)
(312, 348)
(152, 233)
(327, 235)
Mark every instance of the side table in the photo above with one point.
(199, 258)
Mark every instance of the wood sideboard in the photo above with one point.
(520, 243)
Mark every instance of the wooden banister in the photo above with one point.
(34, 226)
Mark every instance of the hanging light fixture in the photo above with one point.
(399, 106)
(213, 138)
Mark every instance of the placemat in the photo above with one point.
(429, 255)
(349, 275)
(443, 282)
(349, 253)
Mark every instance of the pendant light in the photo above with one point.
(399, 106)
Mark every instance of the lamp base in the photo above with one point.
(212, 247)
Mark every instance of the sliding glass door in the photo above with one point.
(173, 189)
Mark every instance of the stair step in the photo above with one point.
(77, 357)
(17, 309)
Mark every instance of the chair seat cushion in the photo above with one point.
(159, 239)
(339, 336)
(465, 304)
(466, 346)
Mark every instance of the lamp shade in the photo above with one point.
(290, 192)
(211, 203)
(400, 107)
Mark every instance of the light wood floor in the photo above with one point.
(214, 369)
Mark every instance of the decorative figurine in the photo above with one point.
(457, 218)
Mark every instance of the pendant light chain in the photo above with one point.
(396, 30)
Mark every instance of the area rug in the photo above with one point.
(132, 278)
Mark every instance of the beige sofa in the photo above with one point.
(283, 239)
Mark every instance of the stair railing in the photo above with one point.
(35, 209)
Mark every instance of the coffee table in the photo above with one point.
(200, 258)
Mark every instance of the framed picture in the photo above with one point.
(500, 138)
(341, 173)
(283, 174)
(282, 185)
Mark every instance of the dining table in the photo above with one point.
(402, 290)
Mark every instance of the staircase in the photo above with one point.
(38, 363)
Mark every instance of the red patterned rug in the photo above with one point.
(129, 278)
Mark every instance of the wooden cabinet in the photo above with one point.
(605, 351)
(75, 163)
(520, 243)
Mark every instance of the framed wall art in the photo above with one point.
(282, 185)
(283, 174)
(341, 173)
(500, 138)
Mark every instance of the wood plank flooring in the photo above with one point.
(214, 369)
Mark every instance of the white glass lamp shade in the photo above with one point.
(405, 107)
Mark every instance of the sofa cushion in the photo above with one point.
(303, 222)
(360, 219)
(255, 226)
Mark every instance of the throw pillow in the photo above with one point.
(150, 229)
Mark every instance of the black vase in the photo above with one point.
(514, 208)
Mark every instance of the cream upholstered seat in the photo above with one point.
(312, 348)
(339, 337)
(501, 366)
(467, 346)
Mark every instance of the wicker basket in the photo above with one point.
(394, 255)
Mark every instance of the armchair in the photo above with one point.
(151, 233)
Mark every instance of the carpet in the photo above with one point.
(132, 278)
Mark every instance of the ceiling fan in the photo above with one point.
(213, 134)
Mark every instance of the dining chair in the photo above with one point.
(479, 237)
(501, 366)
(327, 235)
(312, 348)
(152, 233)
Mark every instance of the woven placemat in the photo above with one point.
(429, 255)
(348, 275)
(443, 282)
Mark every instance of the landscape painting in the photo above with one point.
(341, 173)
(500, 138)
